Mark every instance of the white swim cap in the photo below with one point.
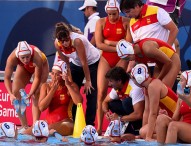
(114, 128)
(23, 48)
(60, 66)
(187, 75)
(140, 73)
(40, 129)
(112, 5)
(124, 48)
(89, 134)
(8, 129)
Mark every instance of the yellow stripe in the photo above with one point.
(167, 51)
(43, 56)
(169, 103)
(128, 89)
(70, 108)
(150, 11)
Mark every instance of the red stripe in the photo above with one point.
(147, 20)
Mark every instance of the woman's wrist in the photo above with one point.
(121, 118)
(88, 80)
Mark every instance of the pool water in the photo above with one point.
(27, 140)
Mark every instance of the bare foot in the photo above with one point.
(127, 137)
(115, 139)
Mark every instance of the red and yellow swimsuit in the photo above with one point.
(113, 32)
(169, 102)
(164, 47)
(185, 112)
(60, 107)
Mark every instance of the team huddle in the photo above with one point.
(137, 56)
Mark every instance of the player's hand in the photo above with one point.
(114, 116)
(65, 77)
(88, 87)
(12, 98)
(55, 85)
(107, 115)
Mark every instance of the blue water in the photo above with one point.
(26, 140)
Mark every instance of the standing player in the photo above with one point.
(28, 60)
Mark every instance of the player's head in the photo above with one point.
(24, 52)
(114, 129)
(8, 129)
(23, 48)
(112, 5)
(124, 49)
(40, 130)
(117, 76)
(140, 73)
(89, 135)
(60, 66)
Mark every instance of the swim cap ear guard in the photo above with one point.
(140, 73)
(124, 48)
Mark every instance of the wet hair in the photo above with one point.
(129, 4)
(117, 74)
(62, 30)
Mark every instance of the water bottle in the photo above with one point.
(23, 106)
(179, 89)
(187, 90)
(16, 105)
(24, 96)
(58, 136)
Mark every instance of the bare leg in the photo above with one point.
(35, 109)
(143, 131)
(179, 130)
(21, 79)
(102, 85)
(64, 127)
(171, 76)
(161, 127)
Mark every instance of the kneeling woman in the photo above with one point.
(58, 97)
